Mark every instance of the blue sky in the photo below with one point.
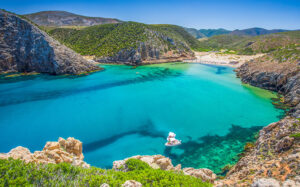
(228, 14)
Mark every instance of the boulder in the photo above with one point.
(132, 183)
(266, 182)
(204, 174)
(20, 153)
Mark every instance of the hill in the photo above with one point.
(203, 33)
(282, 44)
(255, 32)
(63, 18)
(129, 42)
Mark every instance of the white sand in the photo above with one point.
(222, 59)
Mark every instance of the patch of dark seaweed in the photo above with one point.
(214, 152)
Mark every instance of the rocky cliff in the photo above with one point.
(282, 77)
(25, 48)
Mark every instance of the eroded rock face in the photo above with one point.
(25, 48)
(69, 151)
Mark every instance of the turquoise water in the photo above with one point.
(122, 111)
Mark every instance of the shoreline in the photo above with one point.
(215, 58)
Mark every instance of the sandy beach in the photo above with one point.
(231, 60)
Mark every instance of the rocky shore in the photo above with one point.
(283, 78)
(25, 48)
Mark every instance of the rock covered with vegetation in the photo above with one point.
(129, 42)
(69, 151)
(276, 154)
(164, 163)
(25, 48)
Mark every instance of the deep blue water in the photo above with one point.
(121, 112)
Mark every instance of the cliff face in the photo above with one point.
(281, 77)
(25, 48)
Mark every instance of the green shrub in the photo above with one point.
(135, 164)
(18, 173)
(297, 135)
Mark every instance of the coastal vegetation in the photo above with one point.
(109, 39)
(19, 173)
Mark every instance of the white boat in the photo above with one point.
(172, 141)
(178, 142)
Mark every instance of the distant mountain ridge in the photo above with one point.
(206, 33)
(255, 31)
(63, 18)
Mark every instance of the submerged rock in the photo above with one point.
(25, 48)
(69, 151)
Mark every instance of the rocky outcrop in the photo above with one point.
(164, 163)
(275, 155)
(204, 174)
(69, 151)
(132, 183)
(25, 48)
(281, 77)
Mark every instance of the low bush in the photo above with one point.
(19, 173)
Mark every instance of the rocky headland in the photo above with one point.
(281, 77)
(25, 48)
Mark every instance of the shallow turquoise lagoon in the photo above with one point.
(122, 111)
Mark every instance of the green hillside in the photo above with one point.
(18, 173)
(278, 43)
(109, 39)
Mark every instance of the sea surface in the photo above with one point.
(125, 111)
